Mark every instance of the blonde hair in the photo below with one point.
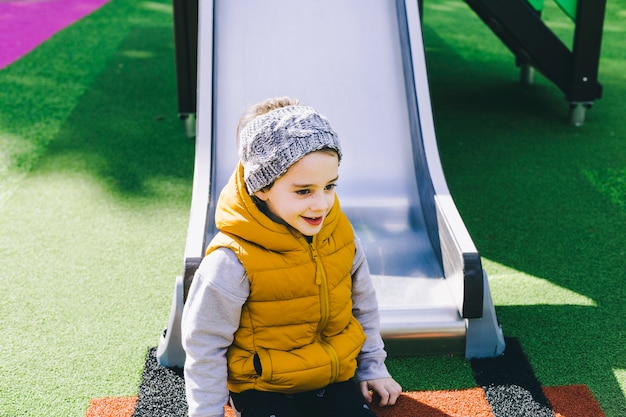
(264, 107)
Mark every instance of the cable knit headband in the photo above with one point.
(274, 141)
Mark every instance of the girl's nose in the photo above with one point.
(319, 202)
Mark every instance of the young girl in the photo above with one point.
(282, 314)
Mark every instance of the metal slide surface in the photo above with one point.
(349, 59)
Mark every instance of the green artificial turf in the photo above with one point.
(39, 92)
(94, 215)
(544, 201)
(95, 182)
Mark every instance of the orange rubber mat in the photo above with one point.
(111, 407)
(566, 401)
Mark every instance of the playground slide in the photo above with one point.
(362, 65)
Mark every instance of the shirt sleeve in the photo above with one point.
(210, 318)
(371, 360)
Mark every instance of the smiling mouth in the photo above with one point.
(314, 221)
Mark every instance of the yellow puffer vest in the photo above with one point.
(297, 332)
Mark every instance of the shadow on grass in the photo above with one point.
(125, 130)
(40, 91)
(519, 174)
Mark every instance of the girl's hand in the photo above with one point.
(386, 388)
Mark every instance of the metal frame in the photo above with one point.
(575, 72)
(186, 43)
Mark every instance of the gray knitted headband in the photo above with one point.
(274, 141)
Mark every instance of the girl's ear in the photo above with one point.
(261, 195)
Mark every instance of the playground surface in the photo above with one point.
(95, 182)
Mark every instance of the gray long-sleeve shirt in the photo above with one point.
(211, 316)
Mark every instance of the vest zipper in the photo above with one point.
(320, 279)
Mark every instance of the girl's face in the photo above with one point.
(304, 195)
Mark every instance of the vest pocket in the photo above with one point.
(298, 370)
(257, 364)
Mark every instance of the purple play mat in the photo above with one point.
(25, 24)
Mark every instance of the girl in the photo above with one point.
(281, 314)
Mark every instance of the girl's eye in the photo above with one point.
(302, 192)
(330, 187)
